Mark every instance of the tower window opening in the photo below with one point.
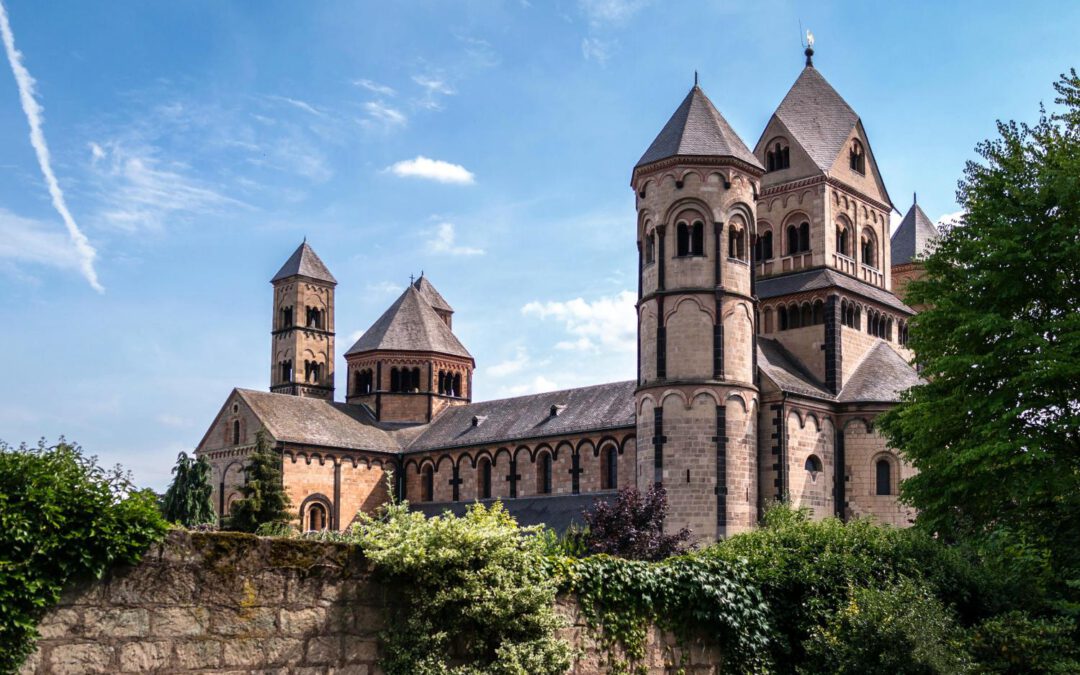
(314, 318)
(697, 239)
(286, 317)
(543, 473)
(456, 388)
(683, 243)
(857, 157)
(763, 247)
(806, 314)
(804, 237)
(312, 372)
(782, 318)
(650, 248)
(883, 475)
(737, 243)
(485, 479)
(778, 157)
(395, 380)
(842, 240)
(819, 313)
(869, 249)
(286, 371)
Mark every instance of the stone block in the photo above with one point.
(302, 621)
(61, 622)
(116, 622)
(361, 650)
(179, 621)
(323, 650)
(253, 622)
(142, 656)
(263, 652)
(80, 658)
(197, 654)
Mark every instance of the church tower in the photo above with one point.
(302, 335)
(696, 398)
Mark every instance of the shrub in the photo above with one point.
(633, 527)
(477, 596)
(187, 502)
(1016, 642)
(63, 518)
(898, 628)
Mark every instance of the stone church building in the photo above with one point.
(769, 339)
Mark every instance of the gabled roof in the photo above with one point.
(915, 234)
(880, 377)
(777, 363)
(434, 298)
(305, 263)
(697, 129)
(604, 406)
(410, 324)
(819, 119)
(814, 279)
(313, 421)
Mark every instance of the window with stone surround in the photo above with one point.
(427, 483)
(813, 467)
(857, 157)
(317, 518)
(609, 468)
(483, 483)
(868, 249)
(883, 476)
(777, 155)
(763, 246)
(543, 473)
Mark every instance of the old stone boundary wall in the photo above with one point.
(234, 603)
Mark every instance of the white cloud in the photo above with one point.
(142, 192)
(595, 49)
(951, 219)
(536, 385)
(434, 87)
(378, 113)
(297, 103)
(432, 169)
(610, 11)
(444, 240)
(608, 323)
(96, 152)
(25, 240)
(35, 118)
(375, 87)
(513, 365)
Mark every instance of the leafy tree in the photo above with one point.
(633, 527)
(63, 519)
(264, 499)
(995, 430)
(187, 501)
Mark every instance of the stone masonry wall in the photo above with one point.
(239, 604)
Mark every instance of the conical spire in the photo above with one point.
(914, 237)
(304, 262)
(410, 324)
(697, 129)
(819, 119)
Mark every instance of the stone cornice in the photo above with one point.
(695, 160)
(774, 190)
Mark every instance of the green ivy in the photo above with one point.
(63, 518)
(692, 596)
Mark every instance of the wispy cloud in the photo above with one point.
(35, 118)
(381, 115)
(375, 87)
(142, 192)
(510, 366)
(536, 385)
(434, 88)
(595, 49)
(608, 323)
(25, 240)
(443, 239)
(432, 169)
(300, 105)
(601, 12)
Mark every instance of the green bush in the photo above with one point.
(477, 596)
(63, 518)
(895, 629)
(1016, 642)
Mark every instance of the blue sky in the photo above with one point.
(196, 143)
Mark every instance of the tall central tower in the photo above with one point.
(696, 398)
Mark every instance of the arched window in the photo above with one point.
(883, 474)
(792, 240)
(842, 241)
(286, 371)
(317, 520)
(683, 243)
(763, 246)
(609, 468)
(697, 238)
(236, 432)
(427, 483)
(782, 318)
(768, 322)
(414, 381)
(813, 466)
(395, 380)
(543, 473)
(314, 317)
(650, 248)
(857, 157)
(456, 389)
(806, 314)
(286, 316)
(777, 157)
(483, 487)
(736, 243)
(858, 318)
(794, 316)
(804, 237)
(869, 249)
(819, 312)
(888, 329)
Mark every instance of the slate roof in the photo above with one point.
(410, 324)
(602, 406)
(315, 421)
(775, 361)
(825, 278)
(556, 512)
(913, 237)
(697, 129)
(880, 376)
(306, 263)
(817, 117)
(434, 298)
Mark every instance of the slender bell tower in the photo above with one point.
(696, 397)
(302, 334)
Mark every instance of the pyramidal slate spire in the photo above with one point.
(697, 129)
(914, 237)
(304, 262)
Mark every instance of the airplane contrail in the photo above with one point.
(34, 117)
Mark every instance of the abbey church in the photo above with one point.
(772, 332)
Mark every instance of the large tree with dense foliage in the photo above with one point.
(265, 501)
(187, 502)
(995, 430)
